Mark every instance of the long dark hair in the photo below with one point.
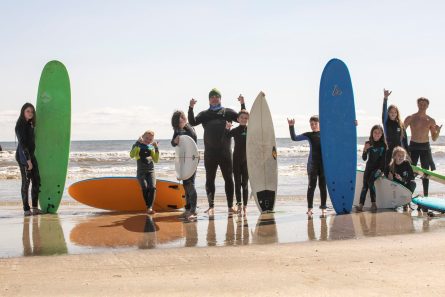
(175, 118)
(22, 114)
(381, 141)
(398, 117)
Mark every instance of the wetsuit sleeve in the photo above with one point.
(365, 153)
(192, 133)
(404, 139)
(385, 114)
(173, 138)
(229, 133)
(194, 121)
(295, 137)
(20, 131)
(231, 115)
(155, 155)
(243, 106)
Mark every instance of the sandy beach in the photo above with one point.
(86, 252)
(410, 265)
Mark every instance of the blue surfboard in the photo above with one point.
(338, 134)
(431, 203)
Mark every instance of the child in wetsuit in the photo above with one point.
(374, 151)
(395, 134)
(314, 164)
(399, 169)
(240, 173)
(181, 127)
(145, 151)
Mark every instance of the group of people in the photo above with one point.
(387, 152)
(217, 123)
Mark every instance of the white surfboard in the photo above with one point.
(389, 194)
(262, 155)
(186, 157)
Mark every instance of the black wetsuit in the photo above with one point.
(146, 172)
(216, 148)
(240, 172)
(422, 151)
(376, 161)
(405, 171)
(191, 196)
(24, 153)
(394, 134)
(314, 166)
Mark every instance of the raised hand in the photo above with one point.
(192, 102)
(386, 93)
(228, 125)
(241, 99)
(291, 122)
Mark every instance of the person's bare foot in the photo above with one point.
(324, 212)
(150, 211)
(374, 207)
(192, 217)
(231, 210)
(36, 211)
(359, 208)
(244, 210)
(210, 211)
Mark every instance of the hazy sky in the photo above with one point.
(132, 63)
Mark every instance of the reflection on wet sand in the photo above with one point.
(43, 235)
(323, 229)
(127, 230)
(265, 230)
(382, 223)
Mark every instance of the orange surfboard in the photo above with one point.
(124, 194)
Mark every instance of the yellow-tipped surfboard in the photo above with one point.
(53, 130)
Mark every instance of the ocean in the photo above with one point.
(90, 159)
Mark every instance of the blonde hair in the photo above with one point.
(397, 149)
(148, 132)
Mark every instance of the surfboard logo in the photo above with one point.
(336, 91)
(274, 153)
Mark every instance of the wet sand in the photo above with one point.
(82, 251)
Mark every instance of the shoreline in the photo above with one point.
(389, 266)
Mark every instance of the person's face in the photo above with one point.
(422, 105)
(214, 100)
(182, 121)
(399, 157)
(315, 126)
(147, 138)
(376, 134)
(392, 113)
(243, 119)
(29, 113)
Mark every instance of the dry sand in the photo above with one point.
(397, 265)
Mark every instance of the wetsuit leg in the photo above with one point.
(226, 169)
(238, 178)
(189, 187)
(35, 179)
(322, 187)
(312, 184)
(147, 181)
(425, 164)
(25, 187)
(211, 165)
(371, 186)
(388, 157)
(144, 187)
(364, 188)
(245, 182)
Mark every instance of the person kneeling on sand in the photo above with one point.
(145, 151)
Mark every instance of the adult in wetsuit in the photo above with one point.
(181, 127)
(374, 152)
(419, 147)
(29, 169)
(216, 146)
(395, 133)
(314, 163)
(240, 172)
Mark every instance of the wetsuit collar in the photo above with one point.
(215, 108)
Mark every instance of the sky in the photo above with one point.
(132, 63)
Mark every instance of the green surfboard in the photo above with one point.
(429, 174)
(53, 131)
